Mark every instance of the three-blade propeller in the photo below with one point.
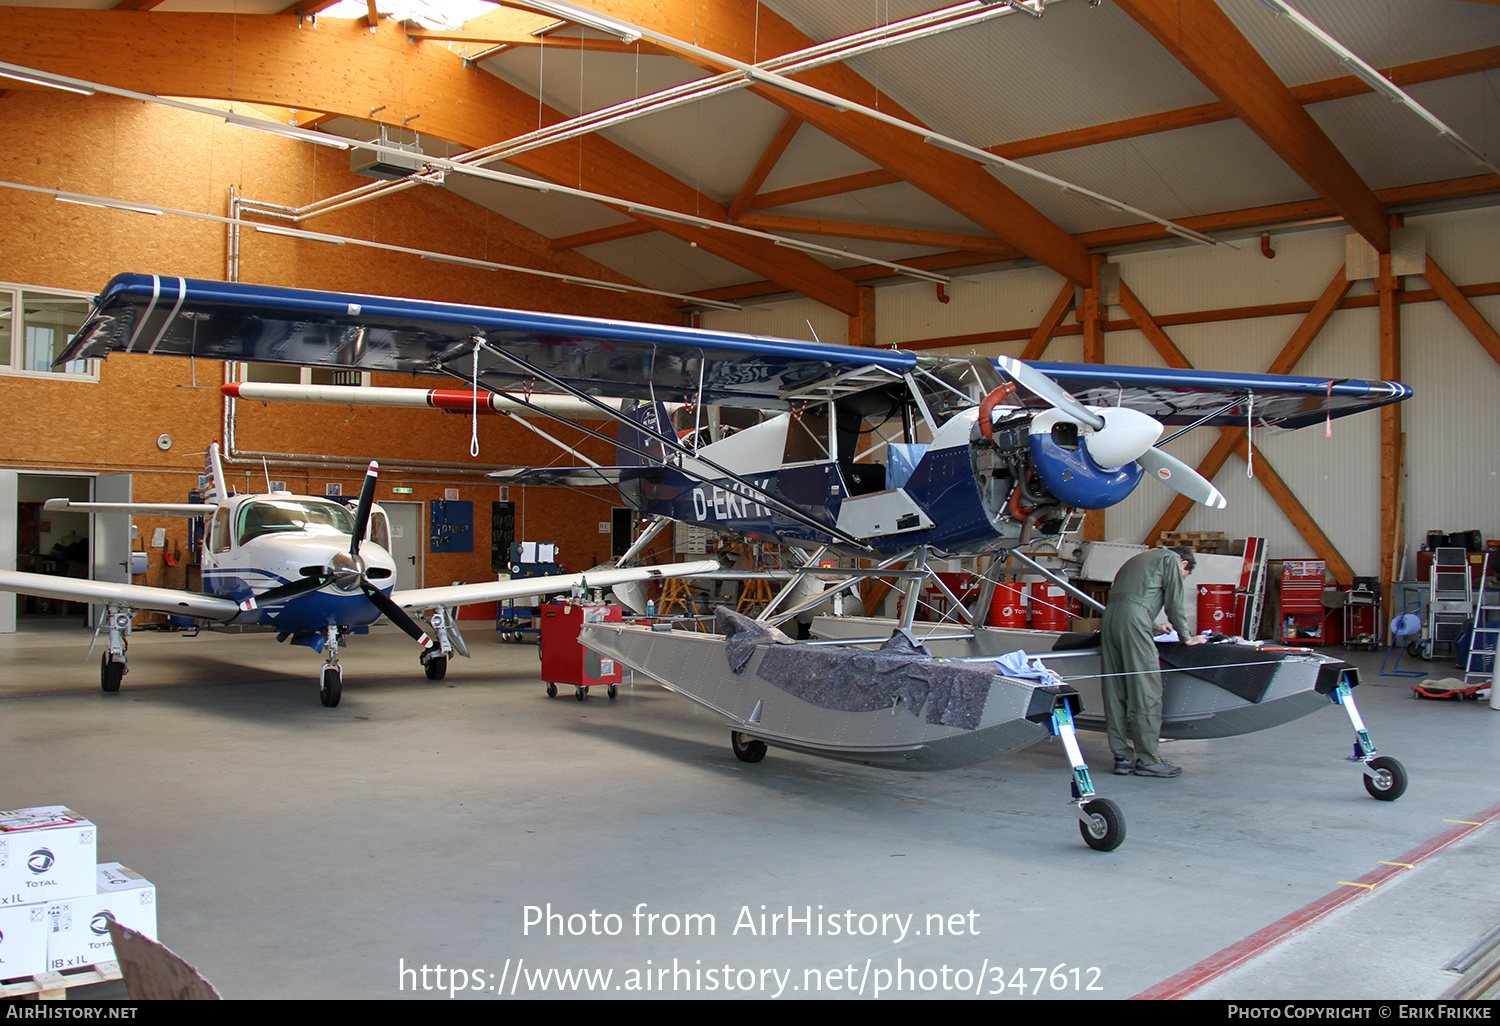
(347, 571)
(1113, 436)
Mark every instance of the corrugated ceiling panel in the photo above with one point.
(814, 157)
(783, 319)
(709, 144)
(1390, 145)
(1019, 77)
(1381, 32)
(662, 261)
(898, 205)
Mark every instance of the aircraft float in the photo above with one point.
(983, 456)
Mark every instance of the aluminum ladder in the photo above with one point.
(1483, 636)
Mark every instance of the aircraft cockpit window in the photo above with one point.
(809, 437)
(271, 516)
(380, 529)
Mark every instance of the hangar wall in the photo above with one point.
(1452, 466)
(155, 155)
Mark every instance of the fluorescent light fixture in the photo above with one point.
(672, 215)
(786, 85)
(1375, 80)
(1031, 7)
(275, 128)
(104, 204)
(444, 258)
(36, 79)
(583, 16)
(297, 233)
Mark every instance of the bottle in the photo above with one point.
(651, 608)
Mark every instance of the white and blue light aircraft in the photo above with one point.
(307, 566)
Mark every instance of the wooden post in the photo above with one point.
(1392, 463)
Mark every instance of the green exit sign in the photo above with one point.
(401, 491)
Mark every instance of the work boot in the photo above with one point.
(1124, 766)
(1157, 769)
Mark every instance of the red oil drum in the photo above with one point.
(1008, 606)
(1216, 608)
(1049, 608)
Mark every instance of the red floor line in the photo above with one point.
(1261, 941)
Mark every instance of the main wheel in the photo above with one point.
(110, 673)
(1105, 828)
(333, 686)
(436, 668)
(1389, 781)
(746, 748)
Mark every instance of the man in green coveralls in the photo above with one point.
(1147, 583)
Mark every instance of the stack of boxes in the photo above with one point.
(56, 900)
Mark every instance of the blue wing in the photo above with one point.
(630, 360)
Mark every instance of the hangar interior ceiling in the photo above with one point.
(1226, 119)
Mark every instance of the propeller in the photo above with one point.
(1114, 436)
(346, 571)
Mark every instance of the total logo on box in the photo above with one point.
(78, 929)
(46, 853)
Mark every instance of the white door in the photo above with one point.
(406, 542)
(110, 537)
(8, 529)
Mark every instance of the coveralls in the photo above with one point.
(1148, 582)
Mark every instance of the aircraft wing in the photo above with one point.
(488, 591)
(140, 509)
(136, 596)
(1183, 396)
(518, 350)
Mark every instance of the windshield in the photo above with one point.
(267, 516)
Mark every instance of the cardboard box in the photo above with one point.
(46, 853)
(23, 941)
(78, 928)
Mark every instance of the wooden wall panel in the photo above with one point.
(149, 154)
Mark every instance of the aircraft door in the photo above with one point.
(9, 488)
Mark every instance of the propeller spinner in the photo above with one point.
(1114, 438)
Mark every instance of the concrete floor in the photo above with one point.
(304, 852)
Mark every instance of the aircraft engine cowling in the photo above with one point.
(1067, 470)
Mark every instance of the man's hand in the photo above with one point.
(1194, 639)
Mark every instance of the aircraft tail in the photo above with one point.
(652, 415)
(213, 469)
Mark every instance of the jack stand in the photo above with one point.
(332, 686)
(1385, 778)
(1100, 820)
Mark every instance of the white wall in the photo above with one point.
(1452, 423)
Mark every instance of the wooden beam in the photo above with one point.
(763, 167)
(344, 68)
(1392, 449)
(1464, 310)
(862, 324)
(998, 248)
(1466, 63)
(1301, 212)
(751, 31)
(1042, 336)
(1142, 318)
(1230, 439)
(1201, 36)
(1306, 526)
(617, 231)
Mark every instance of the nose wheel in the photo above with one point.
(332, 688)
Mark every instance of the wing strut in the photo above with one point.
(612, 414)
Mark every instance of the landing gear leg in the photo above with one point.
(435, 657)
(332, 685)
(1100, 820)
(112, 667)
(1385, 778)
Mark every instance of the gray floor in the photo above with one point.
(307, 852)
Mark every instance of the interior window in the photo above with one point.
(808, 437)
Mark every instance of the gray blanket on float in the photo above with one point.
(855, 680)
